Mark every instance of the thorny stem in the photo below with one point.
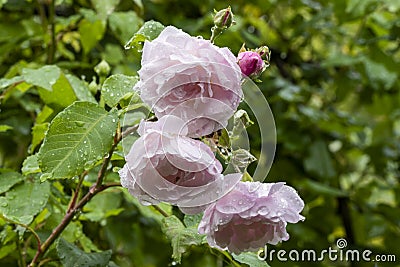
(75, 206)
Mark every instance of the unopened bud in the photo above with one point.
(224, 18)
(251, 63)
(102, 69)
(93, 87)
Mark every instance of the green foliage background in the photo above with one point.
(333, 86)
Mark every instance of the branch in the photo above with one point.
(74, 208)
(76, 193)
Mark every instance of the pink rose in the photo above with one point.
(165, 165)
(251, 63)
(190, 78)
(250, 216)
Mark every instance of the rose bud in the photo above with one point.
(251, 63)
(224, 18)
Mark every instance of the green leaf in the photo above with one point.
(181, 237)
(359, 7)
(71, 256)
(138, 3)
(192, 220)
(24, 201)
(149, 211)
(8, 180)
(77, 137)
(7, 82)
(323, 189)
(250, 259)
(91, 33)
(118, 22)
(2, 2)
(44, 77)
(80, 88)
(44, 115)
(319, 160)
(54, 87)
(224, 139)
(149, 31)
(104, 7)
(7, 249)
(103, 205)
(5, 128)
(38, 133)
(30, 165)
(379, 74)
(117, 87)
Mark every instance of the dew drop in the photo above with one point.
(45, 176)
(80, 123)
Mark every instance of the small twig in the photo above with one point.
(160, 210)
(25, 226)
(42, 262)
(108, 185)
(10, 87)
(77, 191)
(129, 131)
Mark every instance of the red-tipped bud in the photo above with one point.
(251, 63)
(224, 18)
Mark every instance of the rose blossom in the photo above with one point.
(190, 78)
(251, 63)
(250, 216)
(164, 165)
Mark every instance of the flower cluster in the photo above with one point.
(194, 87)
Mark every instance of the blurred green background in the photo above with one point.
(333, 87)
